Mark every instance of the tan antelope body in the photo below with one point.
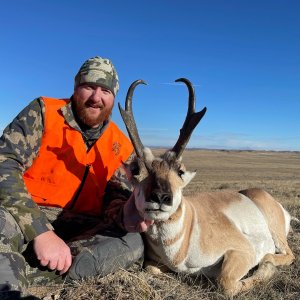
(220, 234)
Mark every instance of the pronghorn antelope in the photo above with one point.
(220, 234)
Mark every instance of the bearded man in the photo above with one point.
(66, 209)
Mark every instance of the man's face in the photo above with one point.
(93, 104)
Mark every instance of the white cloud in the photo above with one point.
(242, 141)
(222, 140)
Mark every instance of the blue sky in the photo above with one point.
(242, 57)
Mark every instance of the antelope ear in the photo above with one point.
(187, 177)
(126, 168)
(148, 154)
(132, 169)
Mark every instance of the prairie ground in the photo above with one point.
(276, 172)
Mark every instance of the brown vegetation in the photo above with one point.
(276, 172)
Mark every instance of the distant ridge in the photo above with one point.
(226, 150)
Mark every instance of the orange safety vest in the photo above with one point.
(64, 170)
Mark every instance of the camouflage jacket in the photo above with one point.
(19, 146)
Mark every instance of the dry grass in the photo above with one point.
(277, 172)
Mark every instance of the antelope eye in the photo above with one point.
(180, 173)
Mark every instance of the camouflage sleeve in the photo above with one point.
(117, 192)
(19, 145)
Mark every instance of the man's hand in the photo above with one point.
(52, 252)
(132, 220)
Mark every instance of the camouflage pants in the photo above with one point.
(97, 249)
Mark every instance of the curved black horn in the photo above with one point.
(129, 121)
(191, 121)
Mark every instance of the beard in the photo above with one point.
(91, 116)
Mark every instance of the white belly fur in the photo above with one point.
(252, 224)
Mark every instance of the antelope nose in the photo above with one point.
(161, 198)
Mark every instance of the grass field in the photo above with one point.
(276, 172)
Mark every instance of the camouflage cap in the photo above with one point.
(99, 71)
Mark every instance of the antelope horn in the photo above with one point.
(191, 120)
(129, 121)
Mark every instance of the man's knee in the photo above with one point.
(12, 272)
(107, 255)
(12, 263)
(11, 237)
(121, 252)
(135, 244)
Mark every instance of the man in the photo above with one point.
(64, 212)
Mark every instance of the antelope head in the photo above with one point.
(158, 181)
